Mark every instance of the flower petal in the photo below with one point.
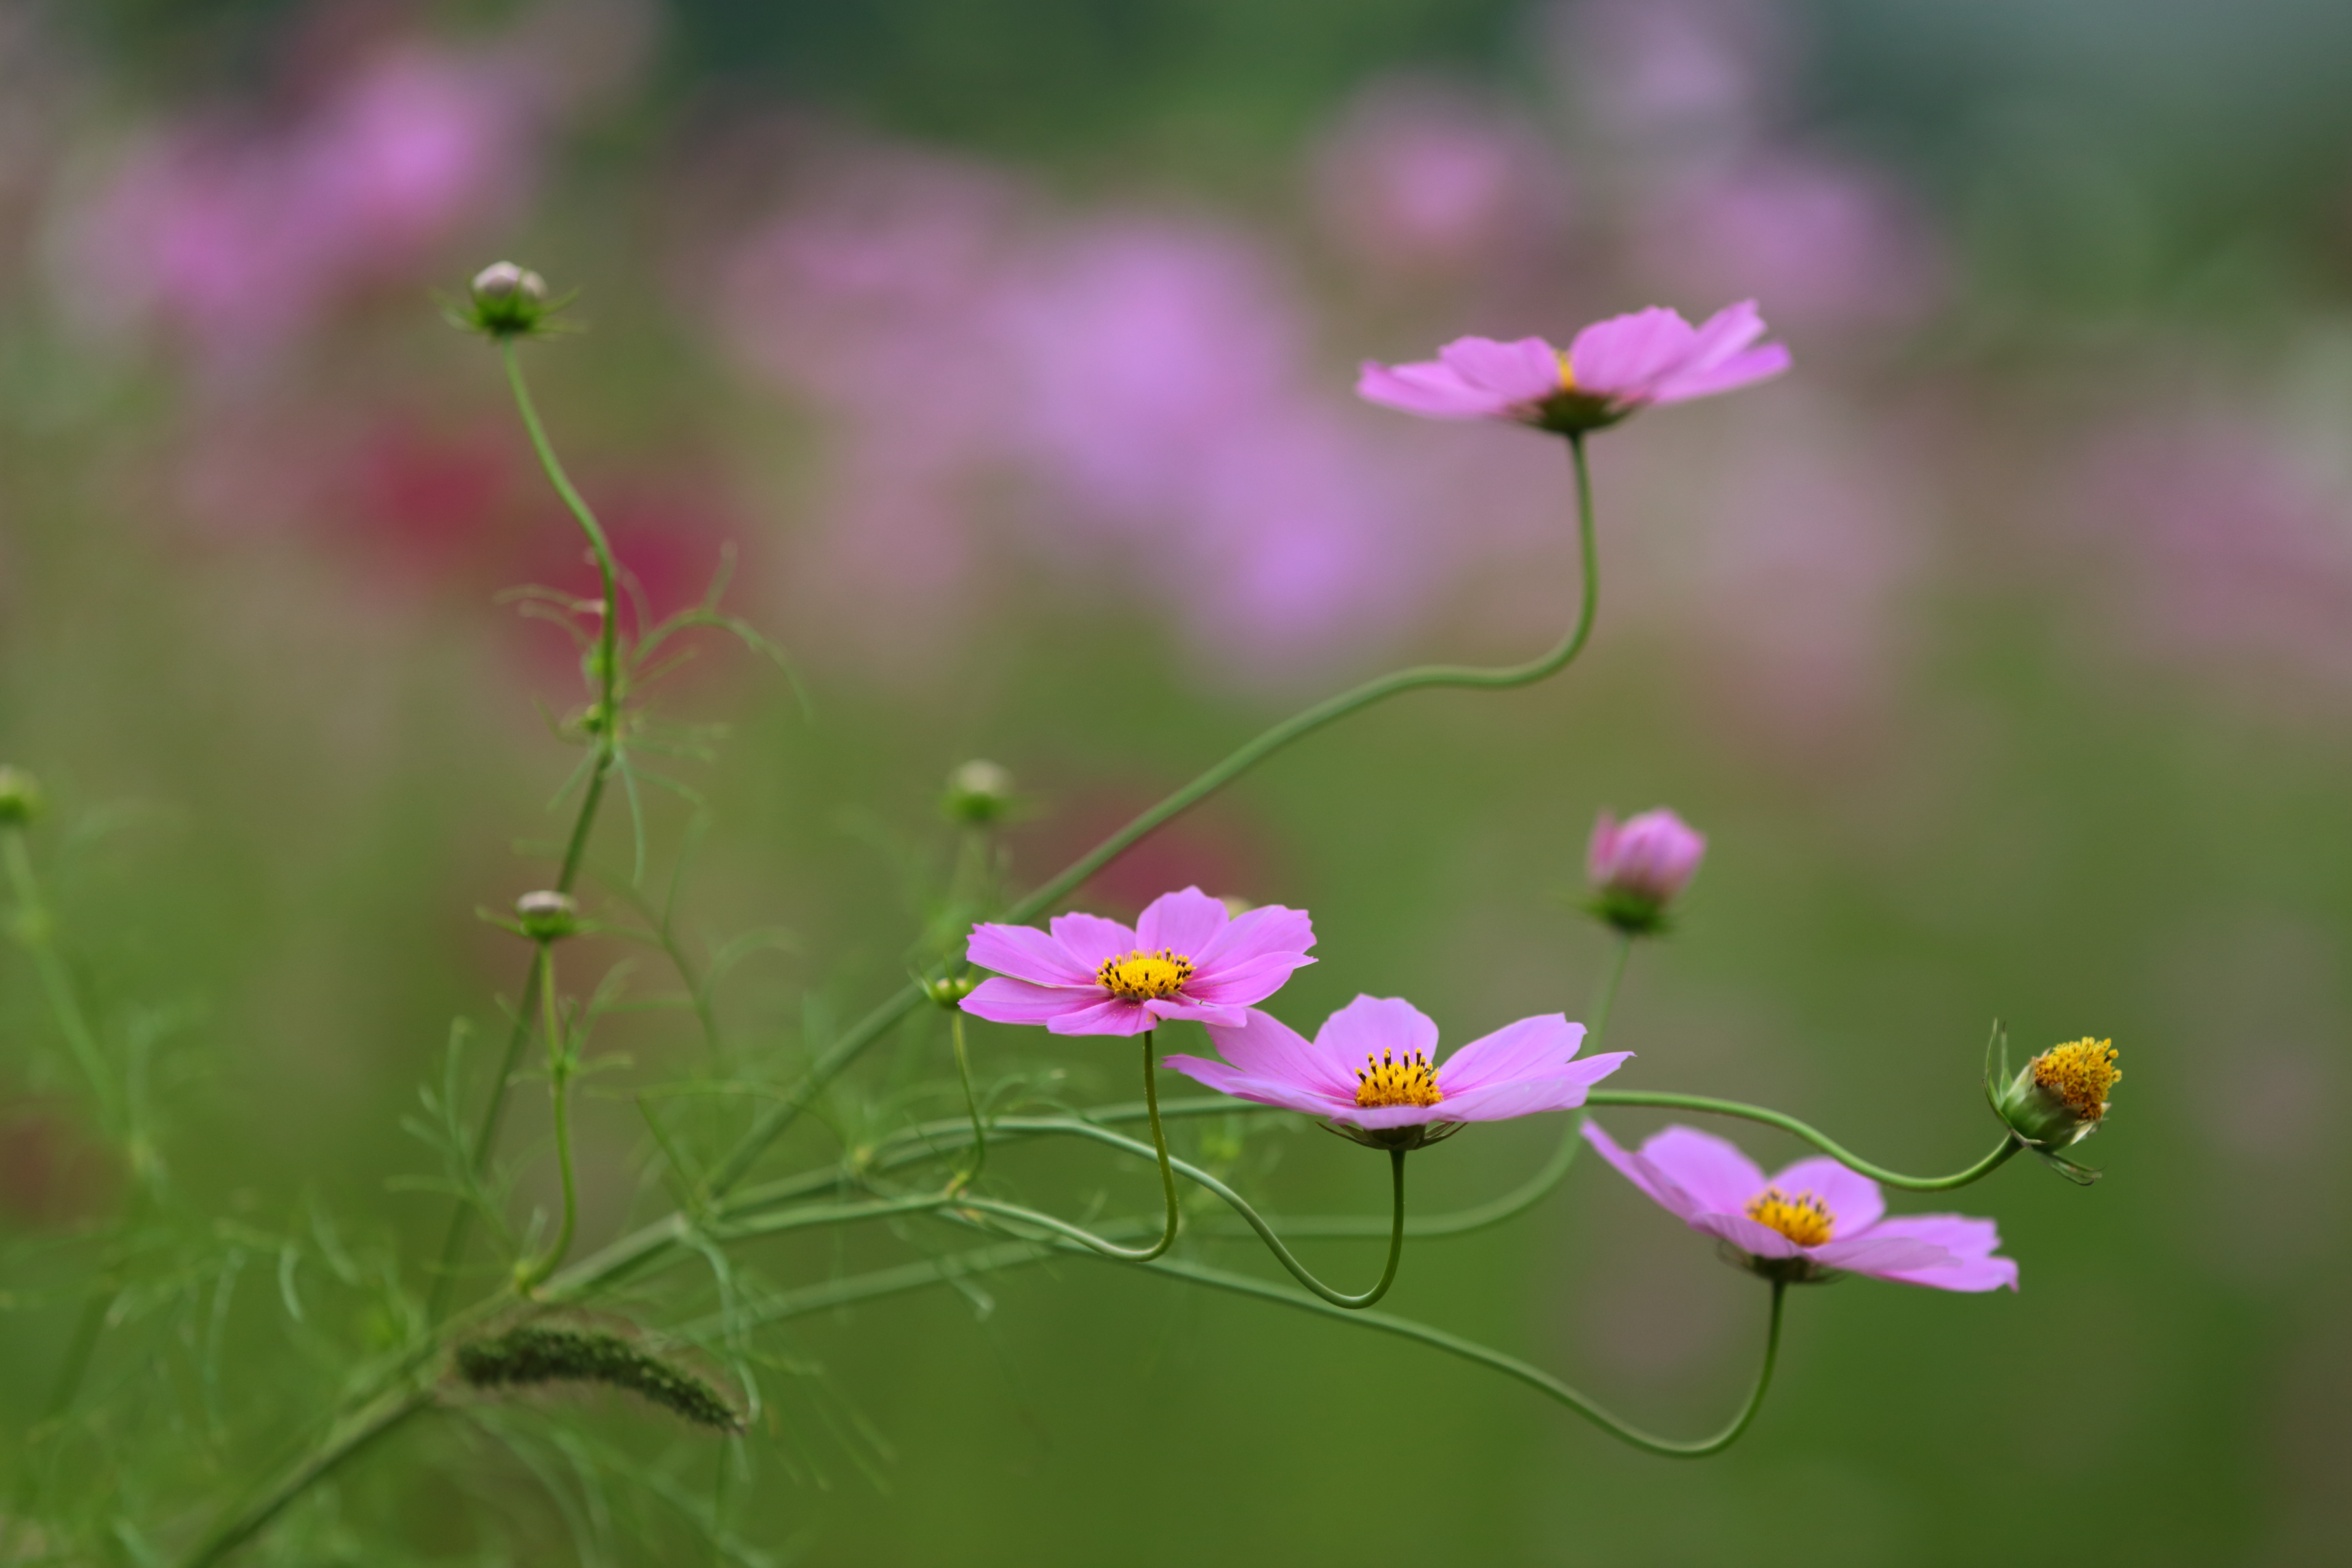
(1624, 355)
(1242, 984)
(1270, 929)
(1263, 1047)
(1184, 924)
(1026, 953)
(1091, 939)
(1370, 1025)
(1019, 1002)
(1428, 389)
(1741, 370)
(1654, 1182)
(1747, 1235)
(1882, 1256)
(1525, 371)
(1530, 1047)
(1854, 1201)
(1116, 1016)
(1970, 1240)
(1225, 1080)
(1560, 1089)
(1708, 1168)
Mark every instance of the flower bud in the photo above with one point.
(1639, 867)
(20, 797)
(2060, 1096)
(950, 992)
(547, 915)
(506, 301)
(978, 794)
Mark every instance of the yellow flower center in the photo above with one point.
(2081, 1073)
(1385, 1081)
(1141, 976)
(1803, 1219)
(1567, 372)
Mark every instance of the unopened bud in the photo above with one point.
(506, 301)
(951, 991)
(547, 915)
(2060, 1096)
(978, 794)
(1639, 867)
(20, 797)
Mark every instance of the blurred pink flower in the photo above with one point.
(1417, 178)
(1829, 243)
(240, 235)
(1186, 957)
(1651, 856)
(1813, 1220)
(1371, 1070)
(1612, 369)
(1675, 76)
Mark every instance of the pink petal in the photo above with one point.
(1747, 1235)
(1180, 1007)
(1744, 369)
(1429, 390)
(1263, 1047)
(1540, 1045)
(1562, 1089)
(1525, 371)
(1116, 1016)
(1969, 1240)
(1026, 953)
(1245, 984)
(1370, 1025)
(1708, 1168)
(1091, 939)
(1019, 1002)
(1882, 1256)
(1260, 931)
(1968, 1274)
(1185, 923)
(1654, 1182)
(1385, 1116)
(1854, 1201)
(1622, 356)
(1722, 335)
(1290, 1096)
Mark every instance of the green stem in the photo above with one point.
(575, 847)
(558, 1080)
(1835, 1151)
(971, 1173)
(828, 1066)
(36, 929)
(1087, 1239)
(1605, 999)
(1534, 1377)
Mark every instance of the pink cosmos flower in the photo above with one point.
(1371, 1070)
(1815, 1219)
(1185, 958)
(1639, 866)
(1614, 368)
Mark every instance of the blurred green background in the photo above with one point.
(2003, 650)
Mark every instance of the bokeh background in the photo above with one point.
(2003, 649)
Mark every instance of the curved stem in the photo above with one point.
(1080, 1235)
(1533, 1376)
(1852, 1162)
(870, 1028)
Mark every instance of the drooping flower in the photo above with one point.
(1810, 1222)
(1371, 1070)
(1186, 957)
(1640, 865)
(1612, 369)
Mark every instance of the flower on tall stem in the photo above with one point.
(1371, 1070)
(1186, 957)
(1814, 1221)
(1639, 867)
(1612, 370)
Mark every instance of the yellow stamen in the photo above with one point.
(1567, 372)
(1385, 1081)
(1141, 977)
(1803, 1219)
(2081, 1073)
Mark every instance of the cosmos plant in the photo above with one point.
(672, 1310)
